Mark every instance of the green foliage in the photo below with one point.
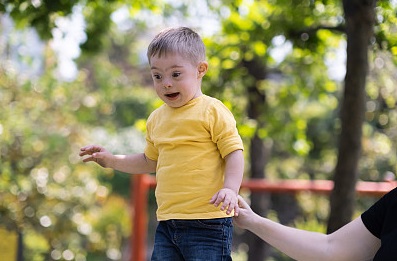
(300, 113)
(379, 145)
(386, 27)
(38, 14)
(42, 15)
(46, 192)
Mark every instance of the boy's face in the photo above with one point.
(176, 79)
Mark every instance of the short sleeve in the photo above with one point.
(374, 217)
(223, 129)
(150, 150)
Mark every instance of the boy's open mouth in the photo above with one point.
(172, 95)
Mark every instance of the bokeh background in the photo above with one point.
(75, 72)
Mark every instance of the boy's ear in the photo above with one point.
(202, 68)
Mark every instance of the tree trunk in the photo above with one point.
(258, 249)
(359, 15)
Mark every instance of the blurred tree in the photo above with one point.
(42, 192)
(62, 208)
(42, 15)
(370, 38)
(360, 21)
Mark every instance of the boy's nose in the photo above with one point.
(167, 83)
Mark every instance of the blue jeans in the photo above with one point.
(193, 240)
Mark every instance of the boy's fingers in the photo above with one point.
(236, 210)
(218, 198)
(87, 148)
(91, 148)
(229, 208)
(84, 151)
(217, 201)
(227, 203)
(212, 200)
(88, 159)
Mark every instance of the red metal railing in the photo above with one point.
(142, 183)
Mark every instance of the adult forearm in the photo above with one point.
(298, 244)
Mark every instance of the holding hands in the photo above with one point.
(229, 199)
(245, 214)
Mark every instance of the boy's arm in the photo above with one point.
(132, 164)
(234, 170)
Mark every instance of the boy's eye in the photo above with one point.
(176, 74)
(156, 76)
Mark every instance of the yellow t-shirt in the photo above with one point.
(189, 144)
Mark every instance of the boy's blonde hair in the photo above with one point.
(180, 40)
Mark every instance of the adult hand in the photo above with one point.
(245, 214)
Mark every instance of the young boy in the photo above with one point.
(194, 148)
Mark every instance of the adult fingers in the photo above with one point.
(242, 203)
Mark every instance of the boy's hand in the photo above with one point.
(97, 154)
(229, 199)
